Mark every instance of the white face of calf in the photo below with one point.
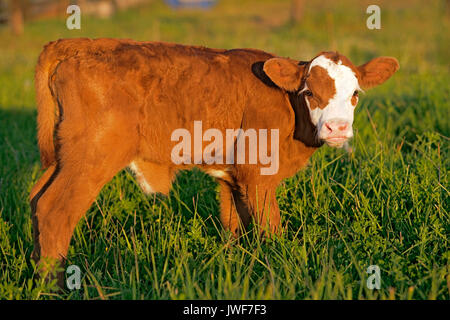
(330, 84)
(331, 94)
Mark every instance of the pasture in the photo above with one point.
(386, 203)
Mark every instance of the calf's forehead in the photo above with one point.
(340, 71)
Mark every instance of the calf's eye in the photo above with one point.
(355, 94)
(308, 93)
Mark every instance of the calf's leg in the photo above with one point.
(264, 208)
(84, 167)
(228, 213)
(233, 209)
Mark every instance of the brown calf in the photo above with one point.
(107, 104)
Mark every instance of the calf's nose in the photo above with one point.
(336, 126)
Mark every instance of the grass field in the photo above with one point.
(386, 204)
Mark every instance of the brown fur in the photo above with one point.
(105, 103)
(322, 85)
(376, 71)
(285, 73)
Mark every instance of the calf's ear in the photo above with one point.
(285, 73)
(377, 71)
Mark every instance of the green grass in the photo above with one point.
(387, 203)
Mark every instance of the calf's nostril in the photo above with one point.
(328, 127)
(343, 127)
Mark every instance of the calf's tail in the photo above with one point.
(46, 104)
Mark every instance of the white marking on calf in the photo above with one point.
(217, 173)
(145, 186)
(339, 106)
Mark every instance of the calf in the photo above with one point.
(107, 104)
